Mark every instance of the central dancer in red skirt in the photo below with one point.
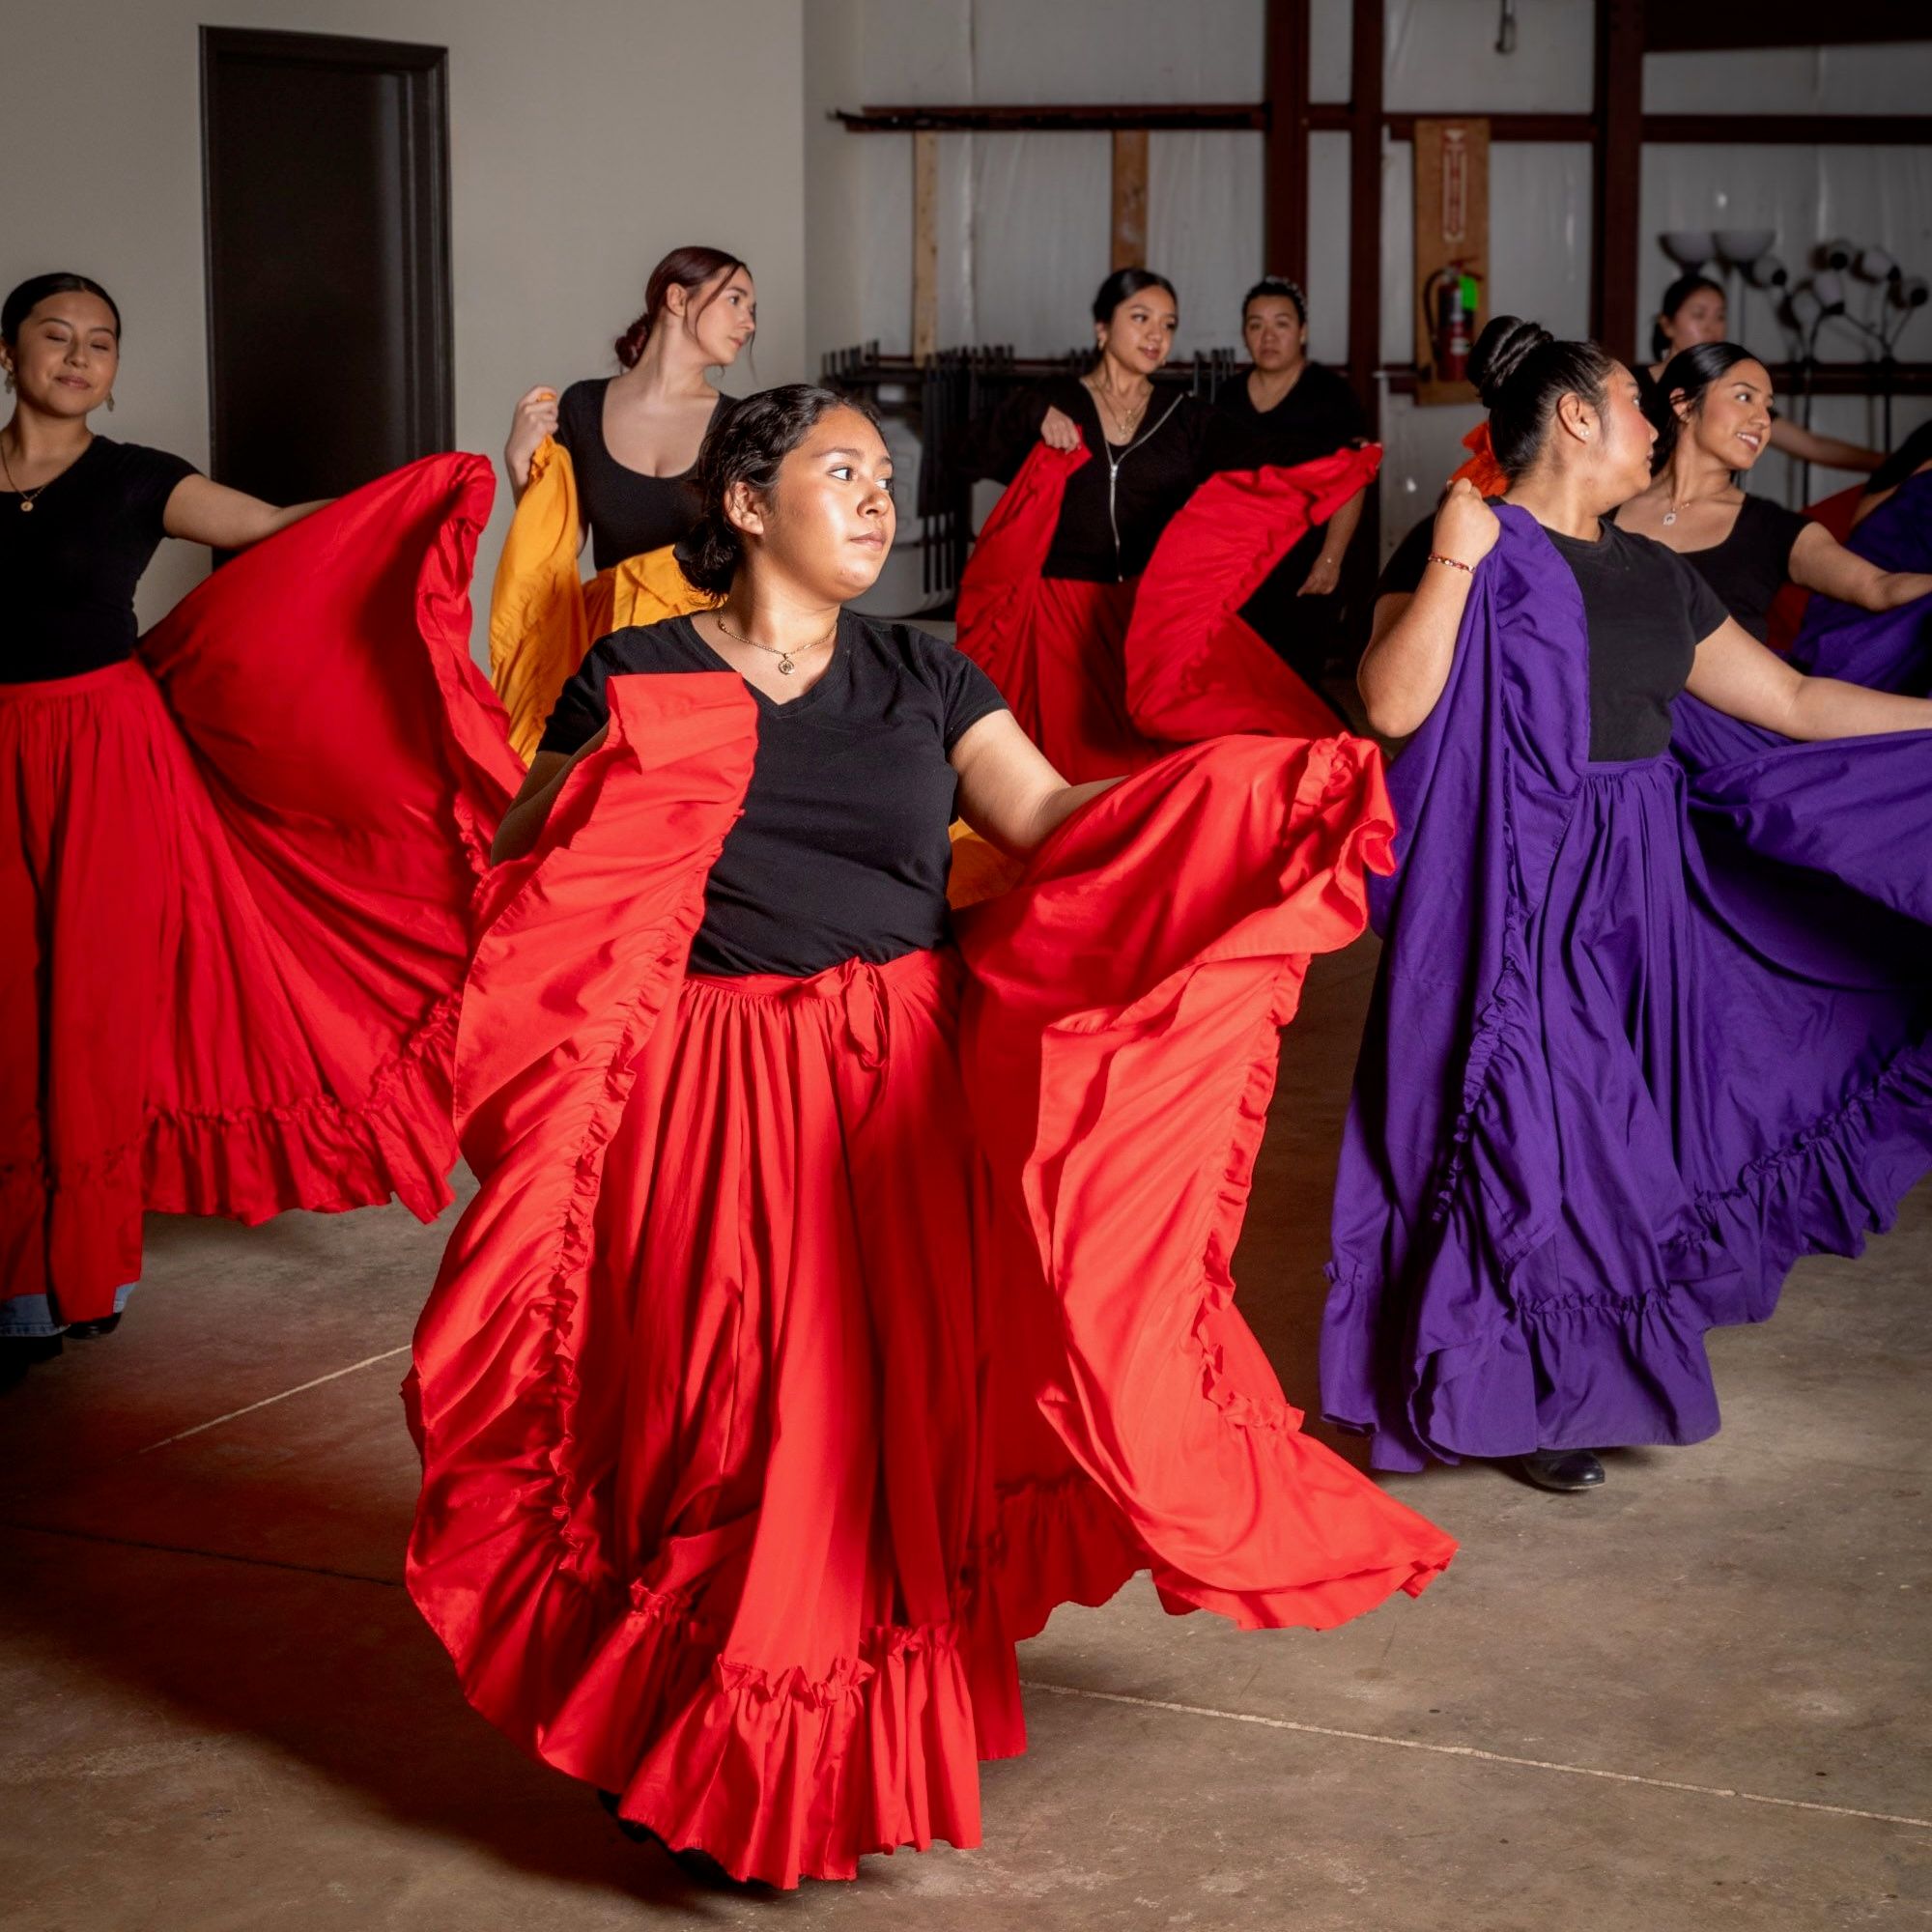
(841, 1297)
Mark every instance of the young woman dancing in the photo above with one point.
(1647, 1027)
(235, 856)
(845, 1291)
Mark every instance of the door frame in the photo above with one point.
(424, 72)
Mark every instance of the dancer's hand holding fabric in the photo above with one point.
(1009, 793)
(1406, 664)
(534, 419)
(1059, 431)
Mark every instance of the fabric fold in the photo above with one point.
(242, 866)
(543, 619)
(1106, 678)
(1642, 1035)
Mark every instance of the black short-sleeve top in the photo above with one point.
(627, 511)
(1645, 610)
(1117, 504)
(70, 565)
(1318, 416)
(1754, 563)
(843, 851)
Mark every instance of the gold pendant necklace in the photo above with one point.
(26, 497)
(779, 651)
(1125, 425)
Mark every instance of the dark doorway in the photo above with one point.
(325, 172)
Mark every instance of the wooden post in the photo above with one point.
(1131, 192)
(925, 246)
(1617, 169)
(1365, 210)
(1284, 238)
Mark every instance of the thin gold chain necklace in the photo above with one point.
(783, 655)
(1126, 425)
(27, 497)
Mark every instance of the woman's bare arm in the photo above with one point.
(529, 811)
(1736, 674)
(1406, 664)
(1819, 562)
(1326, 572)
(223, 518)
(1009, 793)
(1829, 451)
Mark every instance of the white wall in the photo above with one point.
(586, 137)
(1022, 219)
(1025, 218)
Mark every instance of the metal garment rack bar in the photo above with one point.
(1164, 118)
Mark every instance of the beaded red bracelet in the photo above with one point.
(1454, 562)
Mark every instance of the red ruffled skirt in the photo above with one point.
(763, 1411)
(1106, 678)
(235, 882)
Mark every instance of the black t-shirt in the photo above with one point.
(1645, 610)
(1754, 563)
(628, 512)
(1320, 415)
(843, 851)
(71, 562)
(1108, 528)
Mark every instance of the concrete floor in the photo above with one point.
(1696, 1699)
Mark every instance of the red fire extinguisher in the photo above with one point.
(1454, 299)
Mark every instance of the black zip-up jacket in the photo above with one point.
(1120, 500)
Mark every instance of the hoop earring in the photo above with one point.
(110, 399)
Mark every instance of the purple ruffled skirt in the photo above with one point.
(1700, 1085)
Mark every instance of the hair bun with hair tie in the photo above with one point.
(1500, 350)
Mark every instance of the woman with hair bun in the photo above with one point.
(613, 457)
(1651, 1020)
(1103, 472)
(1713, 417)
(633, 438)
(236, 854)
(819, 1322)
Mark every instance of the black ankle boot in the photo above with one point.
(1566, 1472)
